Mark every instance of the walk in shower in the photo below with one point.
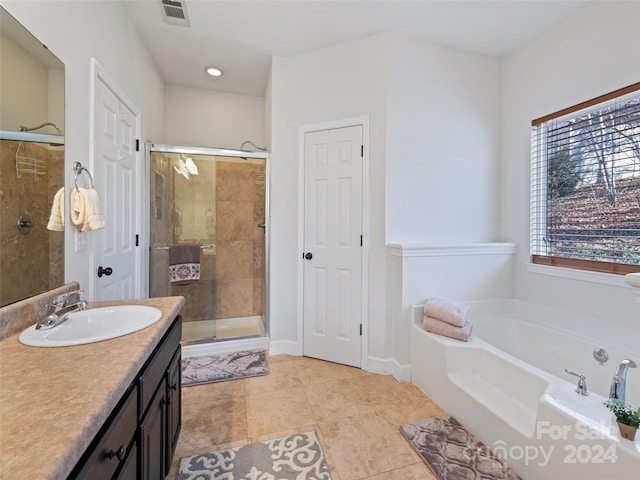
(216, 199)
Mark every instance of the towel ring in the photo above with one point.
(78, 169)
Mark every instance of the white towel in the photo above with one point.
(434, 325)
(447, 310)
(85, 209)
(56, 219)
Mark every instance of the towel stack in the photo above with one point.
(447, 317)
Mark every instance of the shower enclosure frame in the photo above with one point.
(218, 152)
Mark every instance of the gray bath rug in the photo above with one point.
(453, 453)
(295, 457)
(228, 366)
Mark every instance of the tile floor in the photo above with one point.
(356, 414)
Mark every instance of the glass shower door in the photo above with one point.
(218, 203)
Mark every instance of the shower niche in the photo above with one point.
(217, 201)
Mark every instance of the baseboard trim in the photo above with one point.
(284, 347)
(389, 366)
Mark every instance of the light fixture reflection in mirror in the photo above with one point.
(31, 162)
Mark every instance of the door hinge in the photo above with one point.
(137, 145)
(360, 240)
(137, 240)
(362, 151)
(360, 329)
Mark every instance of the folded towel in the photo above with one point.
(447, 310)
(85, 209)
(184, 264)
(443, 328)
(56, 219)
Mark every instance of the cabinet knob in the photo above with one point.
(119, 454)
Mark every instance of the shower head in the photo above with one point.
(22, 128)
(253, 145)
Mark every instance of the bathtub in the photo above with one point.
(508, 386)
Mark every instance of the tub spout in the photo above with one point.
(619, 381)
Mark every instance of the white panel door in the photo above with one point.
(333, 175)
(116, 176)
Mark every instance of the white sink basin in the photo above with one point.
(93, 325)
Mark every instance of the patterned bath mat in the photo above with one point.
(295, 457)
(453, 453)
(228, 366)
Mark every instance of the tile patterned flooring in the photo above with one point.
(357, 416)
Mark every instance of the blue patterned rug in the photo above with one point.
(295, 457)
(228, 366)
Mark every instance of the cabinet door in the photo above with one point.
(153, 446)
(174, 406)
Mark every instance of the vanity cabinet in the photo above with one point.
(139, 438)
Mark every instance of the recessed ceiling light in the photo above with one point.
(213, 71)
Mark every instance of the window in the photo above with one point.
(585, 185)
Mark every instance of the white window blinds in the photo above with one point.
(585, 185)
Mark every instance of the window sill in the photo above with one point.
(575, 274)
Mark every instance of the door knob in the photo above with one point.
(104, 271)
(308, 256)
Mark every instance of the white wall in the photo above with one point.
(434, 158)
(442, 180)
(593, 52)
(336, 83)
(443, 144)
(206, 118)
(25, 88)
(75, 32)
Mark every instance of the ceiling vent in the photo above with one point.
(175, 12)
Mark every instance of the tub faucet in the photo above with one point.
(619, 381)
(60, 309)
(582, 382)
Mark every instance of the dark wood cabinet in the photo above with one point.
(153, 437)
(139, 438)
(174, 405)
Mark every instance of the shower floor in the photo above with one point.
(223, 328)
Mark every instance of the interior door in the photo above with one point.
(333, 173)
(116, 177)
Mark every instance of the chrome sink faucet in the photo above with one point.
(60, 309)
(619, 381)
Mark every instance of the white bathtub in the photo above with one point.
(508, 386)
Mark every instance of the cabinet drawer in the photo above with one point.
(111, 450)
(152, 374)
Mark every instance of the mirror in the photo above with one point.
(31, 163)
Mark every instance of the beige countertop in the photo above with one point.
(53, 401)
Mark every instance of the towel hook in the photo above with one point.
(78, 169)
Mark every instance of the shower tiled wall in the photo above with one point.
(33, 262)
(240, 241)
